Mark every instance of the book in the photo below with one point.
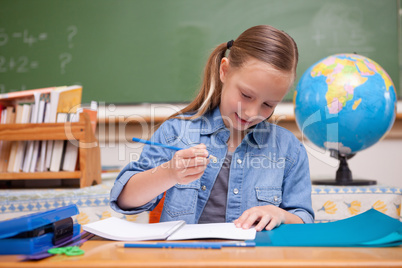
(6, 145)
(35, 155)
(11, 97)
(58, 148)
(43, 99)
(3, 114)
(42, 159)
(31, 144)
(71, 153)
(62, 100)
(118, 229)
(16, 158)
(14, 99)
(14, 144)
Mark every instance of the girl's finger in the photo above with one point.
(263, 223)
(191, 152)
(272, 224)
(193, 171)
(200, 146)
(241, 219)
(252, 218)
(184, 163)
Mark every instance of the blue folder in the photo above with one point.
(38, 232)
(369, 229)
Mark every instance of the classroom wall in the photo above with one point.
(381, 162)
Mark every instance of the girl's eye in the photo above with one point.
(268, 105)
(244, 95)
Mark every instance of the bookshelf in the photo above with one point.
(89, 171)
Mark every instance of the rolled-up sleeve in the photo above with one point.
(151, 157)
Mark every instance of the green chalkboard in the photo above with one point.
(134, 51)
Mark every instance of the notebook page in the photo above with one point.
(118, 229)
(213, 230)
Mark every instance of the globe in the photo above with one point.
(345, 103)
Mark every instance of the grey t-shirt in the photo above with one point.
(215, 208)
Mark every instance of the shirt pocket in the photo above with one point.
(267, 195)
(181, 199)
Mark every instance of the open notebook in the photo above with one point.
(118, 229)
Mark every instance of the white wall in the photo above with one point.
(381, 162)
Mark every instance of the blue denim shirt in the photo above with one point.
(269, 167)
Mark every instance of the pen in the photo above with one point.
(157, 144)
(166, 146)
(196, 245)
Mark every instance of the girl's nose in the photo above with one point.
(251, 112)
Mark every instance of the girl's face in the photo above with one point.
(250, 93)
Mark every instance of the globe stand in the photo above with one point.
(343, 174)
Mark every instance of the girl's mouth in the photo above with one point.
(241, 121)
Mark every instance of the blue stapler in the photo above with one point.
(38, 232)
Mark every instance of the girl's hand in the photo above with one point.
(267, 217)
(189, 164)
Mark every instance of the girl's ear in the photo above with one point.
(224, 69)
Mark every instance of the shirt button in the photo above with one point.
(214, 159)
(235, 191)
(239, 161)
(275, 198)
(203, 187)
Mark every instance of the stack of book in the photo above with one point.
(45, 105)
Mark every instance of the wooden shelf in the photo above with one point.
(41, 175)
(49, 131)
(89, 167)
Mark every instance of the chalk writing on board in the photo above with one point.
(72, 31)
(65, 58)
(20, 64)
(25, 36)
(24, 64)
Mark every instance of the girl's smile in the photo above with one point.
(242, 121)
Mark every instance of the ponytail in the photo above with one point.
(208, 97)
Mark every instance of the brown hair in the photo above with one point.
(262, 42)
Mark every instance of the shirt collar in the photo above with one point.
(259, 134)
(212, 122)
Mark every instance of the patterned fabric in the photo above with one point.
(330, 203)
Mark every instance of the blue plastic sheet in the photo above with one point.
(369, 229)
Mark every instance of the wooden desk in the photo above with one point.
(106, 254)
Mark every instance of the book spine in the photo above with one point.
(58, 147)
